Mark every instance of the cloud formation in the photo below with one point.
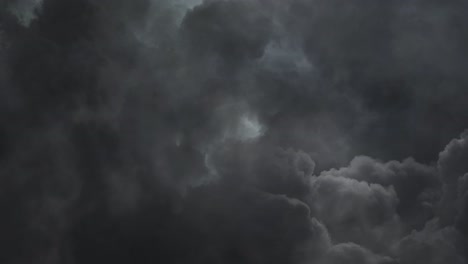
(233, 131)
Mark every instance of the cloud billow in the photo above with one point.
(233, 131)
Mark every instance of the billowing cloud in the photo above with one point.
(432, 245)
(417, 186)
(355, 211)
(233, 131)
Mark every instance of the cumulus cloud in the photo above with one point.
(452, 167)
(452, 159)
(432, 245)
(417, 186)
(355, 211)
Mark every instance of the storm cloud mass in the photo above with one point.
(233, 131)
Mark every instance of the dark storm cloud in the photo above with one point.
(400, 62)
(355, 211)
(417, 186)
(453, 170)
(253, 227)
(352, 253)
(432, 245)
(452, 159)
(233, 131)
(218, 28)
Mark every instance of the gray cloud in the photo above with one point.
(417, 186)
(352, 253)
(432, 245)
(355, 211)
(233, 131)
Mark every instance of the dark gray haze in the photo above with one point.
(233, 131)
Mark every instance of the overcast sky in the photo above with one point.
(233, 131)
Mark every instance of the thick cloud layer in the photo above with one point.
(233, 131)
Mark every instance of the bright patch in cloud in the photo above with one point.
(248, 128)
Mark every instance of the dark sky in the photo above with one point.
(233, 131)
